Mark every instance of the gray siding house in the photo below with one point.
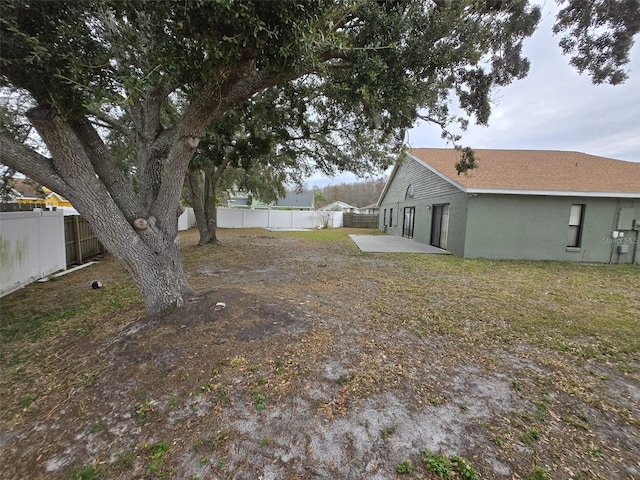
(517, 204)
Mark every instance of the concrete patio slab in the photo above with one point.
(393, 244)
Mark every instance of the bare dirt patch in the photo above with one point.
(323, 363)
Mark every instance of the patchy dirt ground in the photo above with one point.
(324, 363)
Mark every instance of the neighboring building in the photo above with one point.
(15, 189)
(517, 204)
(239, 202)
(292, 201)
(370, 209)
(296, 201)
(240, 199)
(28, 192)
(338, 207)
(52, 199)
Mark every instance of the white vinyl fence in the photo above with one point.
(187, 220)
(278, 219)
(32, 246)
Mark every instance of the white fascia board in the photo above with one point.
(552, 193)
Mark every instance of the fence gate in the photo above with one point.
(360, 220)
(80, 241)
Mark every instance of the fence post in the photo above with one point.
(76, 238)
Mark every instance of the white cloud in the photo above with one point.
(555, 108)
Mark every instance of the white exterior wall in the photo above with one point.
(31, 247)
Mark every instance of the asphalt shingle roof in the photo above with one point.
(27, 188)
(537, 170)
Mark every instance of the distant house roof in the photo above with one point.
(239, 202)
(26, 188)
(297, 200)
(536, 172)
(337, 207)
(373, 205)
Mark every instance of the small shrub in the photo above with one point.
(143, 412)
(405, 466)
(157, 458)
(387, 432)
(86, 472)
(222, 396)
(174, 401)
(218, 440)
(87, 378)
(437, 463)
(99, 427)
(125, 459)
(260, 406)
(538, 473)
(346, 378)
(530, 436)
(464, 468)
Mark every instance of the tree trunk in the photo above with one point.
(210, 209)
(148, 250)
(200, 187)
(193, 188)
(147, 246)
(161, 280)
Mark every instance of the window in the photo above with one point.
(576, 220)
(409, 221)
(391, 217)
(440, 226)
(409, 193)
(384, 218)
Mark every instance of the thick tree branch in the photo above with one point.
(35, 166)
(67, 152)
(89, 194)
(149, 157)
(215, 98)
(171, 112)
(112, 122)
(112, 177)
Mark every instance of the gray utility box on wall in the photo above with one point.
(625, 219)
(624, 248)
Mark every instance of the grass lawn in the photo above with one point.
(325, 363)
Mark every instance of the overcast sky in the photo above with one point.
(553, 108)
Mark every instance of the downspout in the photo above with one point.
(616, 225)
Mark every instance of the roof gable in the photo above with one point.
(338, 205)
(546, 172)
(299, 200)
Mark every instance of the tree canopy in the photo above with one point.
(277, 139)
(158, 74)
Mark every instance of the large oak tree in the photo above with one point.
(159, 73)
